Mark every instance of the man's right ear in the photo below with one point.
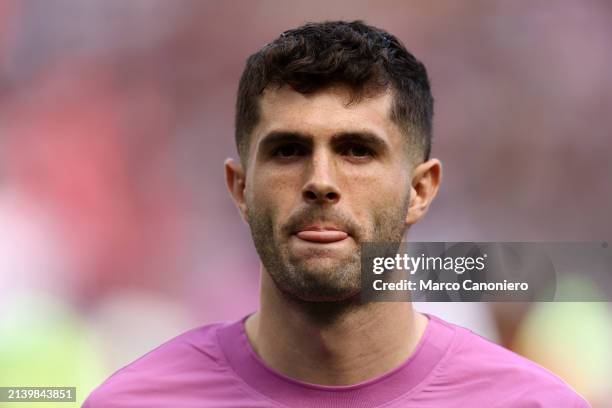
(236, 184)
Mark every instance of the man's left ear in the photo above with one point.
(426, 178)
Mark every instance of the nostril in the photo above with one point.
(331, 196)
(310, 195)
(321, 196)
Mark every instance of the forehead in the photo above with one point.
(325, 113)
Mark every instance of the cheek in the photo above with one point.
(371, 191)
(273, 194)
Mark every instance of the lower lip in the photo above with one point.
(322, 237)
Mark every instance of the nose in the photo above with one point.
(320, 186)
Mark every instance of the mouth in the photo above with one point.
(322, 235)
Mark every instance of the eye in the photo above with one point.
(357, 150)
(287, 151)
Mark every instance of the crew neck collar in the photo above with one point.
(430, 350)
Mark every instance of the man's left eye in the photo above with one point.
(357, 151)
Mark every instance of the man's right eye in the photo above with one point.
(289, 151)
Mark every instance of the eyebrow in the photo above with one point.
(279, 137)
(371, 139)
(367, 138)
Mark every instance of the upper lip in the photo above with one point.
(319, 227)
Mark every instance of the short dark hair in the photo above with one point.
(316, 55)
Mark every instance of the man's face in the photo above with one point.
(323, 177)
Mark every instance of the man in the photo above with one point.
(333, 129)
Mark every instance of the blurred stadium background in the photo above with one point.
(116, 232)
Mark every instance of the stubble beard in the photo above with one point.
(323, 287)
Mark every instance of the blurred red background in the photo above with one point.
(116, 231)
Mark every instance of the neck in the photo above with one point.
(332, 343)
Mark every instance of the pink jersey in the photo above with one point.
(215, 366)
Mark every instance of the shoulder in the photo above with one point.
(173, 368)
(488, 368)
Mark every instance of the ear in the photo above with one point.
(426, 178)
(236, 184)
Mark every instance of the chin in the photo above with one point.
(323, 295)
(326, 284)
